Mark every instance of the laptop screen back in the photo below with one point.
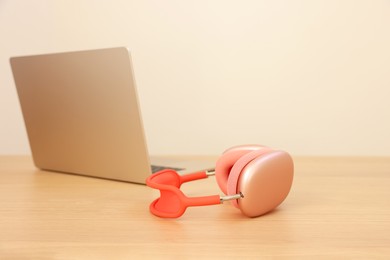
(82, 114)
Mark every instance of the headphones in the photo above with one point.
(255, 178)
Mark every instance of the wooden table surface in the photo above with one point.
(338, 208)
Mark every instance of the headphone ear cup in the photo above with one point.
(265, 182)
(239, 166)
(227, 160)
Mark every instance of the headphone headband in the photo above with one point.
(172, 202)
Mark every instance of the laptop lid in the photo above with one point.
(82, 114)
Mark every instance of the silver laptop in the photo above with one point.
(82, 115)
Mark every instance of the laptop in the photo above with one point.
(82, 115)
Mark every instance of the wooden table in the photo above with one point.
(338, 208)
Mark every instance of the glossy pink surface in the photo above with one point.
(265, 182)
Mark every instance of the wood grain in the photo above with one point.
(338, 208)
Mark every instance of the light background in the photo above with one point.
(311, 77)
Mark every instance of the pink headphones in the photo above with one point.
(256, 178)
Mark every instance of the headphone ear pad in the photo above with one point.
(227, 160)
(238, 167)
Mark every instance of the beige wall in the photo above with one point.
(311, 77)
